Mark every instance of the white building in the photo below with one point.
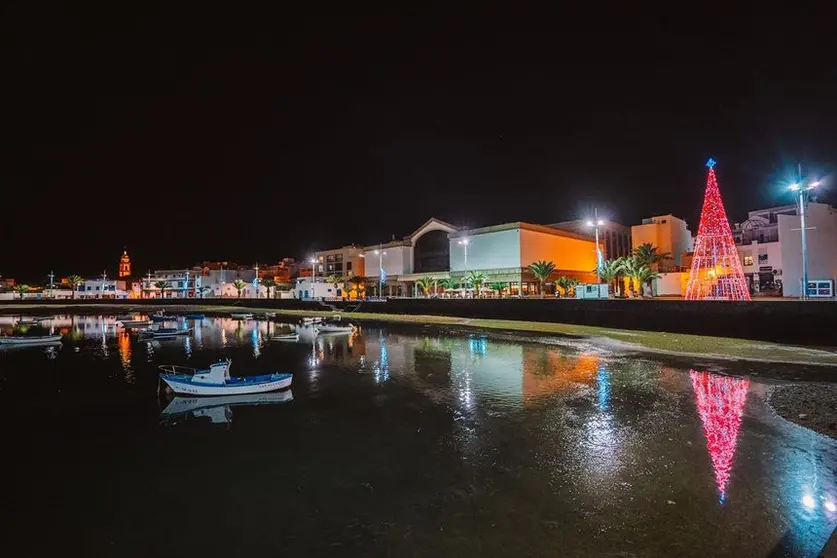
(770, 248)
(304, 288)
(102, 288)
(179, 283)
(425, 253)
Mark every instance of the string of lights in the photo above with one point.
(716, 272)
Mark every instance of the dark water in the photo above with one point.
(398, 442)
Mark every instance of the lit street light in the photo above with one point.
(803, 192)
(464, 243)
(313, 262)
(596, 223)
(381, 276)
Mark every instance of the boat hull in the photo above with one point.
(30, 340)
(185, 387)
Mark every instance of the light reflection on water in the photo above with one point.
(624, 444)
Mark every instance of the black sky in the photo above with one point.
(190, 135)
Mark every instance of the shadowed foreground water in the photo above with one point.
(398, 442)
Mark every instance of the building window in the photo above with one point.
(748, 260)
(348, 266)
(762, 258)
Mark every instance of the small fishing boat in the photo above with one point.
(217, 381)
(135, 323)
(29, 339)
(311, 320)
(162, 318)
(286, 337)
(163, 332)
(241, 315)
(195, 316)
(333, 328)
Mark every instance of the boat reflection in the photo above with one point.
(218, 409)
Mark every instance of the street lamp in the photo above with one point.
(596, 223)
(313, 262)
(803, 192)
(464, 243)
(380, 253)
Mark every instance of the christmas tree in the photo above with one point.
(720, 402)
(716, 269)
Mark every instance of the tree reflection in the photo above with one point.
(720, 402)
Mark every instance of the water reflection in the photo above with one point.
(720, 402)
(581, 444)
(219, 410)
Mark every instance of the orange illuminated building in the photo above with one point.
(124, 265)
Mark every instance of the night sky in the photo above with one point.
(189, 135)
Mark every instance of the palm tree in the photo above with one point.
(542, 270)
(239, 286)
(567, 284)
(356, 283)
(268, 284)
(476, 280)
(425, 284)
(498, 286)
(633, 270)
(647, 254)
(334, 279)
(449, 284)
(644, 277)
(75, 281)
(162, 285)
(611, 271)
(21, 289)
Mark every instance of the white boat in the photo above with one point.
(135, 323)
(312, 320)
(30, 339)
(166, 332)
(241, 315)
(286, 337)
(180, 405)
(217, 381)
(332, 328)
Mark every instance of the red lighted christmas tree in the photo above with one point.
(720, 402)
(716, 270)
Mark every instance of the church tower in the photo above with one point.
(124, 265)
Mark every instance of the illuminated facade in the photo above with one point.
(669, 234)
(124, 265)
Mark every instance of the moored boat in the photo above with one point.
(241, 315)
(286, 337)
(217, 380)
(166, 332)
(135, 323)
(332, 328)
(29, 339)
(311, 320)
(160, 318)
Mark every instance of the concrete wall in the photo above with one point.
(671, 284)
(571, 254)
(493, 250)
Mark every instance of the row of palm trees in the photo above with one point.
(639, 268)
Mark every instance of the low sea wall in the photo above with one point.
(803, 323)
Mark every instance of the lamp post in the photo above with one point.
(596, 223)
(464, 244)
(802, 190)
(313, 274)
(51, 284)
(380, 253)
(104, 282)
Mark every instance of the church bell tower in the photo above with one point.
(124, 265)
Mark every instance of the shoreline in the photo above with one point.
(651, 342)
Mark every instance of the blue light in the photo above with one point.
(603, 384)
(710, 163)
